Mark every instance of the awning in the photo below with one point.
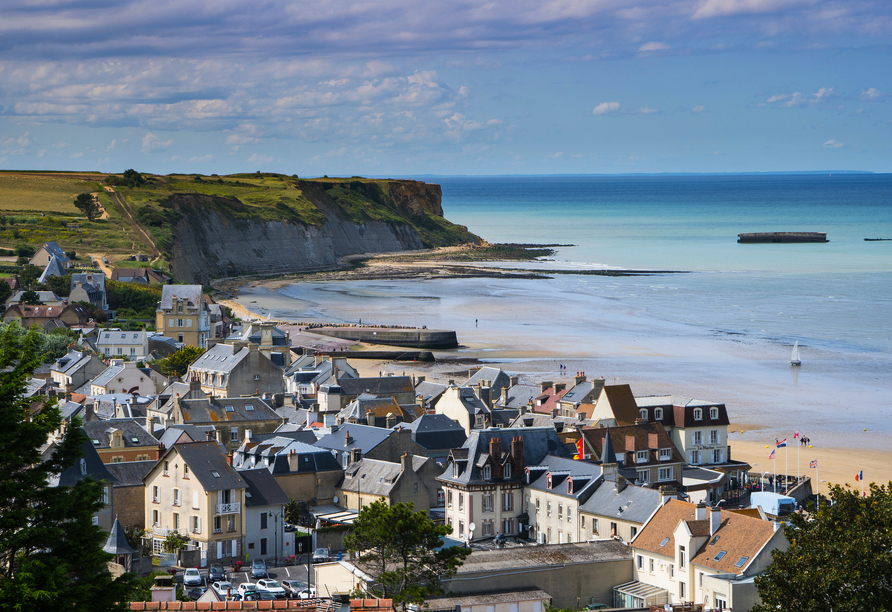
(639, 594)
(333, 514)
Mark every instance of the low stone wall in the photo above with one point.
(414, 338)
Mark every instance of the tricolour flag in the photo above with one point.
(813, 464)
(771, 456)
(795, 434)
(782, 443)
(859, 475)
(579, 449)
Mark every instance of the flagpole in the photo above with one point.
(786, 461)
(818, 476)
(797, 461)
(774, 487)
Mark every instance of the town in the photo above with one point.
(255, 459)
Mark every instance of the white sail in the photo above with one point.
(794, 358)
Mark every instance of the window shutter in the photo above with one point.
(235, 548)
(219, 550)
(198, 524)
(194, 499)
(188, 322)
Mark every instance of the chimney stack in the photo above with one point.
(504, 396)
(700, 512)
(495, 453)
(355, 455)
(517, 452)
(348, 439)
(406, 463)
(485, 395)
(513, 380)
(579, 378)
(715, 520)
(544, 386)
(560, 387)
(666, 493)
(210, 435)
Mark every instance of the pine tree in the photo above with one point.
(51, 555)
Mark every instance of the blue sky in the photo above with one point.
(386, 87)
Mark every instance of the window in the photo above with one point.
(461, 529)
(479, 420)
(166, 465)
(700, 579)
(461, 501)
(218, 524)
(651, 566)
(698, 414)
(508, 500)
(107, 352)
(487, 528)
(720, 555)
(640, 561)
(195, 500)
(560, 511)
(664, 542)
(548, 508)
(595, 526)
(155, 495)
(120, 352)
(156, 518)
(257, 377)
(665, 454)
(742, 561)
(695, 457)
(264, 520)
(487, 502)
(176, 520)
(230, 522)
(233, 434)
(665, 474)
(641, 456)
(455, 470)
(582, 521)
(132, 352)
(487, 472)
(634, 531)
(698, 438)
(185, 471)
(681, 552)
(643, 413)
(196, 524)
(176, 497)
(671, 571)
(658, 414)
(713, 413)
(643, 476)
(613, 528)
(508, 526)
(681, 590)
(713, 436)
(716, 455)
(569, 514)
(180, 323)
(506, 471)
(537, 505)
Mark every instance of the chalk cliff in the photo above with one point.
(213, 236)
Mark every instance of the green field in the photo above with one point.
(42, 193)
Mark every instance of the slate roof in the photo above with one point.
(263, 490)
(197, 433)
(538, 443)
(106, 336)
(117, 544)
(547, 555)
(678, 411)
(496, 377)
(133, 435)
(518, 395)
(364, 437)
(585, 476)
(739, 536)
(130, 473)
(97, 281)
(45, 296)
(379, 385)
(435, 432)
(206, 461)
(470, 401)
(170, 293)
(89, 465)
(639, 434)
(277, 449)
(578, 393)
(503, 417)
(290, 414)
(220, 358)
(33, 386)
(53, 268)
(638, 503)
(138, 275)
(429, 391)
(251, 333)
(55, 250)
(376, 477)
(217, 410)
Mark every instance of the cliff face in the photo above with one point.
(216, 237)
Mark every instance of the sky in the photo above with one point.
(399, 88)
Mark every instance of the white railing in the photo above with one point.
(160, 532)
(232, 508)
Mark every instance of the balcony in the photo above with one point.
(233, 508)
(160, 532)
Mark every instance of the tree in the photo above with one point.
(60, 285)
(178, 363)
(5, 292)
(839, 559)
(401, 550)
(29, 275)
(51, 555)
(87, 205)
(31, 298)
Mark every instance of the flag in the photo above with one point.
(782, 443)
(795, 434)
(859, 476)
(771, 456)
(579, 449)
(813, 464)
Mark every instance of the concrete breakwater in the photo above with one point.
(782, 237)
(409, 337)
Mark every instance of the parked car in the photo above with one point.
(271, 586)
(247, 588)
(222, 586)
(196, 592)
(321, 555)
(258, 569)
(289, 527)
(307, 593)
(192, 577)
(216, 573)
(293, 587)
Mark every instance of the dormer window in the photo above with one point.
(658, 414)
(698, 414)
(713, 413)
(455, 470)
(643, 413)
(487, 472)
(641, 456)
(548, 481)
(506, 472)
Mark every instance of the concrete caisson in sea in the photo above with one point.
(782, 237)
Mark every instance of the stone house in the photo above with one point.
(553, 493)
(264, 515)
(465, 407)
(124, 377)
(484, 479)
(645, 452)
(194, 491)
(130, 491)
(132, 345)
(182, 314)
(89, 287)
(372, 442)
(412, 480)
(75, 369)
(122, 440)
(238, 369)
(44, 254)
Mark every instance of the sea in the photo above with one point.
(716, 320)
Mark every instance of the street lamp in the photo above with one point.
(275, 516)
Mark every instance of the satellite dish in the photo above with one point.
(472, 527)
(335, 499)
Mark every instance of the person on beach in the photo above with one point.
(475, 322)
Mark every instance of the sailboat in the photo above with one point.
(794, 358)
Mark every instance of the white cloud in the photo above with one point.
(798, 100)
(653, 46)
(112, 144)
(872, 95)
(150, 142)
(203, 158)
(257, 158)
(832, 144)
(643, 111)
(605, 107)
(722, 8)
(557, 155)
(76, 155)
(698, 109)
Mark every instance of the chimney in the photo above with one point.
(517, 452)
(391, 420)
(579, 378)
(317, 359)
(555, 412)
(700, 512)
(90, 412)
(219, 435)
(621, 483)
(355, 455)
(451, 382)
(486, 396)
(210, 435)
(150, 424)
(194, 385)
(560, 387)
(348, 439)
(418, 380)
(248, 435)
(253, 348)
(211, 343)
(523, 409)
(495, 452)
(666, 493)
(715, 520)
(610, 471)
(504, 396)
(406, 463)
(513, 380)
(266, 334)
(229, 458)
(544, 386)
